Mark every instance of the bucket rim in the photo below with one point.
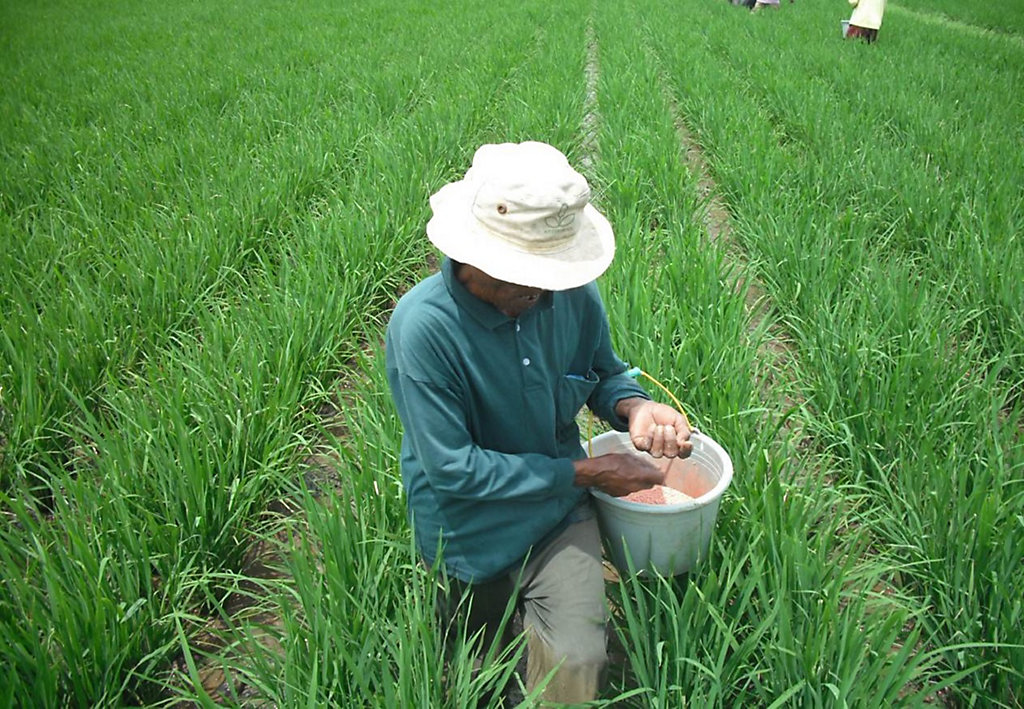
(708, 498)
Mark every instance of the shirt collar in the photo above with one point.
(484, 313)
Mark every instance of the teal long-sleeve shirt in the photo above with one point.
(488, 406)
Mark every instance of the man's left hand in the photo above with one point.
(656, 428)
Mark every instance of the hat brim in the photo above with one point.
(459, 235)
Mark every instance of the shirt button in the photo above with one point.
(526, 361)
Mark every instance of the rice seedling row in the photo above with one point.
(194, 443)
(902, 360)
(1004, 18)
(392, 657)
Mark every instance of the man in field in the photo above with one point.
(489, 361)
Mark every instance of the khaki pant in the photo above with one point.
(561, 596)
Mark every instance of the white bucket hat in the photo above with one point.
(521, 214)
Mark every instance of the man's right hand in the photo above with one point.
(617, 474)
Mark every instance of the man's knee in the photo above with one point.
(571, 672)
(587, 661)
(591, 653)
(576, 645)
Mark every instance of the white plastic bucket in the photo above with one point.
(669, 539)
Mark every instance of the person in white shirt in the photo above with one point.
(866, 19)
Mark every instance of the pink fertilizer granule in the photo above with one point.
(658, 495)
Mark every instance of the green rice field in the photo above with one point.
(208, 210)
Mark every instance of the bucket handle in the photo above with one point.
(635, 372)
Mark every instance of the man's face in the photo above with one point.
(511, 299)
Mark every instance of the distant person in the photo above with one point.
(866, 19)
